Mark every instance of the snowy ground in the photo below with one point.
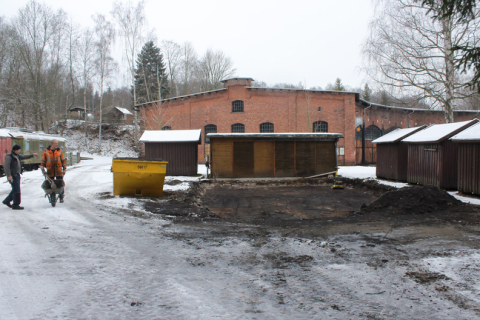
(93, 258)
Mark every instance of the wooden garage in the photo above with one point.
(392, 154)
(178, 147)
(262, 155)
(432, 157)
(468, 142)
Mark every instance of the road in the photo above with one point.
(102, 257)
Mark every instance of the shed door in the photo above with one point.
(243, 159)
(305, 158)
(284, 159)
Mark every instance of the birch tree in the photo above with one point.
(214, 67)
(172, 52)
(411, 52)
(105, 36)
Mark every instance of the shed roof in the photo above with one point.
(439, 132)
(278, 136)
(124, 111)
(470, 134)
(171, 136)
(398, 134)
(29, 135)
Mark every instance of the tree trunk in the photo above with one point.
(449, 71)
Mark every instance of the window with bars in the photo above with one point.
(237, 106)
(266, 127)
(372, 132)
(320, 126)
(209, 128)
(166, 128)
(238, 128)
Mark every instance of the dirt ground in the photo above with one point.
(310, 208)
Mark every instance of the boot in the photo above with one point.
(61, 198)
(17, 198)
(7, 203)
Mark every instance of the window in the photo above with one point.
(40, 145)
(209, 128)
(166, 128)
(319, 108)
(266, 127)
(27, 145)
(238, 128)
(320, 126)
(372, 132)
(237, 106)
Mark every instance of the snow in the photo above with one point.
(397, 135)
(124, 111)
(29, 135)
(171, 136)
(438, 132)
(471, 133)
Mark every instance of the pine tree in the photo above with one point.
(367, 93)
(384, 98)
(150, 75)
(338, 86)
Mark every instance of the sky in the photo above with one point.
(312, 42)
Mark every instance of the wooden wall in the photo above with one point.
(261, 159)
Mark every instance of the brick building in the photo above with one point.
(241, 108)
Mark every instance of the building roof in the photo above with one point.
(439, 132)
(171, 136)
(278, 136)
(398, 134)
(124, 111)
(366, 103)
(470, 134)
(237, 78)
(4, 132)
(77, 109)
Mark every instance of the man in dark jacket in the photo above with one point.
(13, 169)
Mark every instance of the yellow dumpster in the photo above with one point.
(138, 177)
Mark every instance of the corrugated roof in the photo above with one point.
(171, 136)
(439, 132)
(290, 136)
(398, 134)
(29, 135)
(470, 134)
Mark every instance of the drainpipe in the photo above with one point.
(363, 135)
(408, 118)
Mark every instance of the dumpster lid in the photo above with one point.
(138, 159)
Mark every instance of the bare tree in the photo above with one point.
(188, 68)
(105, 36)
(215, 66)
(410, 52)
(87, 59)
(131, 21)
(172, 52)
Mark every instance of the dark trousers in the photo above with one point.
(60, 178)
(15, 193)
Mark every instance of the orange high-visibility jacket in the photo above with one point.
(54, 161)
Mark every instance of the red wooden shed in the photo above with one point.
(432, 157)
(392, 154)
(468, 142)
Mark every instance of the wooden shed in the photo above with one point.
(432, 157)
(245, 155)
(178, 147)
(468, 142)
(392, 154)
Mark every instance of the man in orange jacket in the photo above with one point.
(54, 161)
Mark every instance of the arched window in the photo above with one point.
(372, 132)
(391, 129)
(237, 106)
(166, 128)
(266, 127)
(209, 128)
(320, 126)
(238, 128)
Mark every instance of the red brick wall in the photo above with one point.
(288, 110)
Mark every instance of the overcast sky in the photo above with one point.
(276, 41)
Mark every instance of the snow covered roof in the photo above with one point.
(29, 135)
(470, 134)
(288, 135)
(398, 134)
(439, 132)
(171, 136)
(124, 111)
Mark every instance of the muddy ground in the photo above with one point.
(312, 208)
